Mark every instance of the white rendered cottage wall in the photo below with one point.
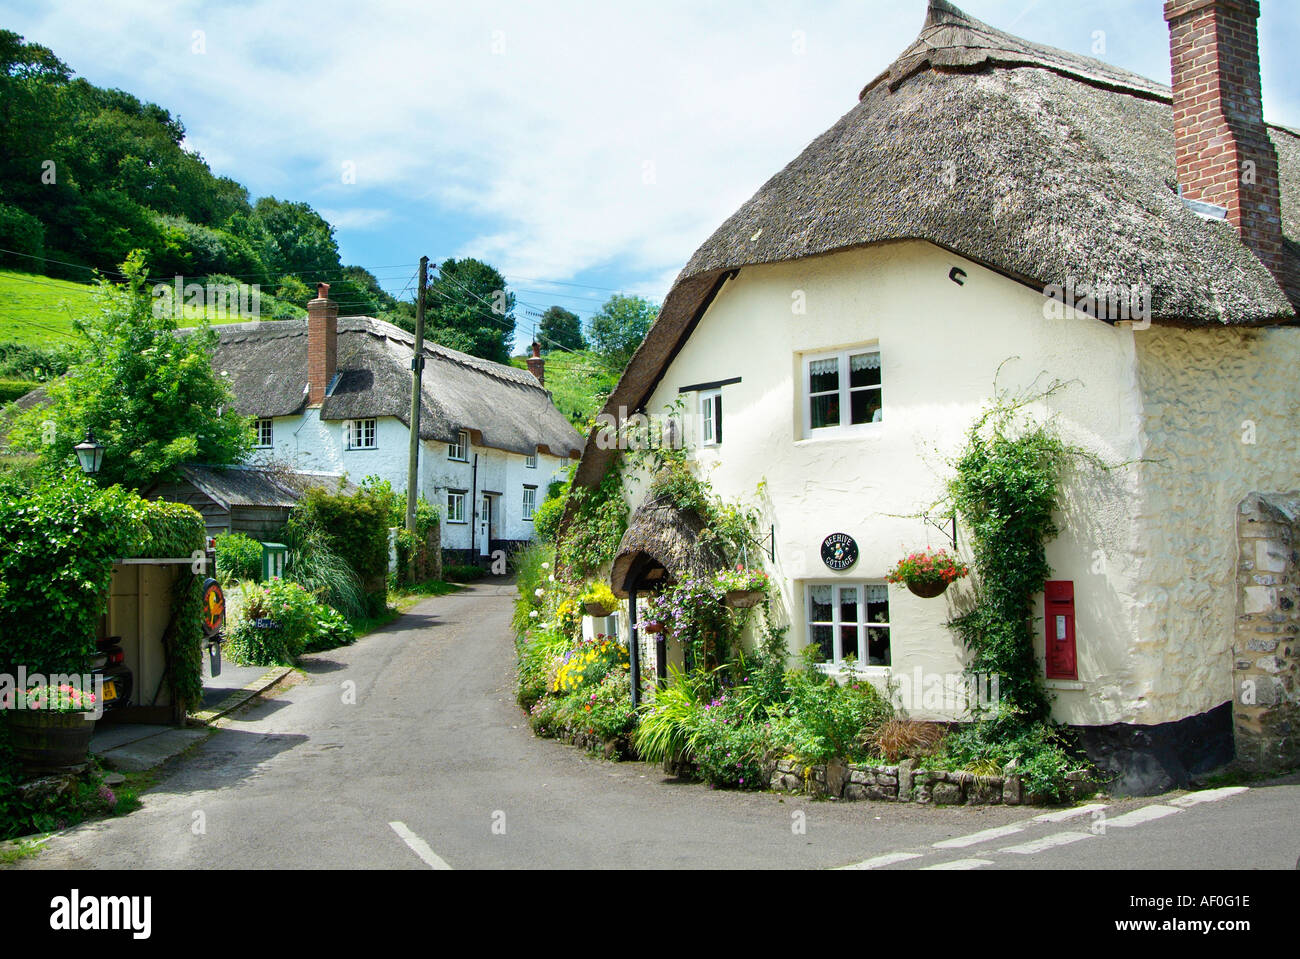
(1220, 424)
(312, 444)
(942, 345)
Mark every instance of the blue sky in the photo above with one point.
(581, 147)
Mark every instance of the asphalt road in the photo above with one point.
(408, 751)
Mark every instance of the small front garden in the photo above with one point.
(742, 719)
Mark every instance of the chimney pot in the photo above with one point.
(537, 365)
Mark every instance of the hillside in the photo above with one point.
(579, 384)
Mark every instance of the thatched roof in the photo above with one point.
(257, 486)
(1063, 170)
(667, 536)
(502, 407)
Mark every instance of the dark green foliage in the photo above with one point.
(823, 720)
(239, 557)
(300, 624)
(315, 564)
(468, 308)
(560, 329)
(463, 573)
(620, 326)
(597, 522)
(11, 390)
(356, 528)
(172, 530)
(20, 361)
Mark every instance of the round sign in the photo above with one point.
(214, 607)
(839, 552)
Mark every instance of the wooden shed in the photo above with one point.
(252, 500)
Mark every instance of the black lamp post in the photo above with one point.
(90, 454)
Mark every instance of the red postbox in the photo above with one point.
(1062, 661)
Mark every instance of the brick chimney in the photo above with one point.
(537, 365)
(322, 344)
(1224, 155)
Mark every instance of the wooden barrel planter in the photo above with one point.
(597, 609)
(743, 598)
(928, 590)
(47, 742)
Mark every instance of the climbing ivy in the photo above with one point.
(597, 521)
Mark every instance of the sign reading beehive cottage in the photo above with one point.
(839, 552)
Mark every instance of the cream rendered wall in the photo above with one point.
(942, 345)
(1221, 423)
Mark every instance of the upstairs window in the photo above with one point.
(459, 450)
(850, 620)
(530, 461)
(361, 434)
(711, 418)
(265, 432)
(842, 391)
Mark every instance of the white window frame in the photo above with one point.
(357, 434)
(530, 503)
(269, 424)
(836, 622)
(711, 412)
(530, 461)
(458, 452)
(845, 393)
(457, 496)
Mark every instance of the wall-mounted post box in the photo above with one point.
(1062, 660)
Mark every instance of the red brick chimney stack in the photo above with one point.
(322, 344)
(1224, 154)
(537, 365)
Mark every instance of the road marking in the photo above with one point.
(1209, 795)
(977, 837)
(886, 860)
(419, 846)
(1139, 816)
(1047, 842)
(961, 864)
(1065, 814)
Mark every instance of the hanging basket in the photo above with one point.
(597, 609)
(743, 598)
(928, 590)
(46, 742)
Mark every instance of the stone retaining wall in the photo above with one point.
(901, 783)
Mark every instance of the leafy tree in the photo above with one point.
(620, 326)
(299, 240)
(468, 308)
(561, 329)
(151, 396)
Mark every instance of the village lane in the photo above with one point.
(407, 750)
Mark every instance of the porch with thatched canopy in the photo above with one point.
(662, 547)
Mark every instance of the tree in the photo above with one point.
(620, 326)
(468, 308)
(561, 329)
(151, 397)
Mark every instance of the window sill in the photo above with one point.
(863, 672)
(1064, 684)
(842, 433)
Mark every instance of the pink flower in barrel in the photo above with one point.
(928, 573)
(743, 588)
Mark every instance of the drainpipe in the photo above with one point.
(473, 507)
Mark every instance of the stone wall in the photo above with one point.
(906, 783)
(1266, 643)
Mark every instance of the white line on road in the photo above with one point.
(1139, 816)
(977, 837)
(887, 860)
(961, 864)
(1209, 795)
(1047, 842)
(1065, 814)
(419, 846)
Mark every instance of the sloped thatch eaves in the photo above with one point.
(668, 536)
(232, 486)
(266, 367)
(1041, 165)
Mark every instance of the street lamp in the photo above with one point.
(90, 454)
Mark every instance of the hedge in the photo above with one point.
(357, 528)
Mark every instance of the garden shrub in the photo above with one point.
(462, 573)
(587, 662)
(356, 528)
(419, 553)
(730, 742)
(670, 722)
(603, 710)
(11, 390)
(315, 565)
(299, 624)
(539, 654)
(823, 720)
(239, 557)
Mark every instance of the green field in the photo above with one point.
(37, 310)
(578, 383)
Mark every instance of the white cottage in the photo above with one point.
(334, 395)
(838, 335)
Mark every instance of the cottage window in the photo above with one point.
(850, 620)
(456, 506)
(842, 391)
(459, 450)
(530, 461)
(530, 502)
(361, 435)
(265, 433)
(711, 418)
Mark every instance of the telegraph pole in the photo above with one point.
(417, 371)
